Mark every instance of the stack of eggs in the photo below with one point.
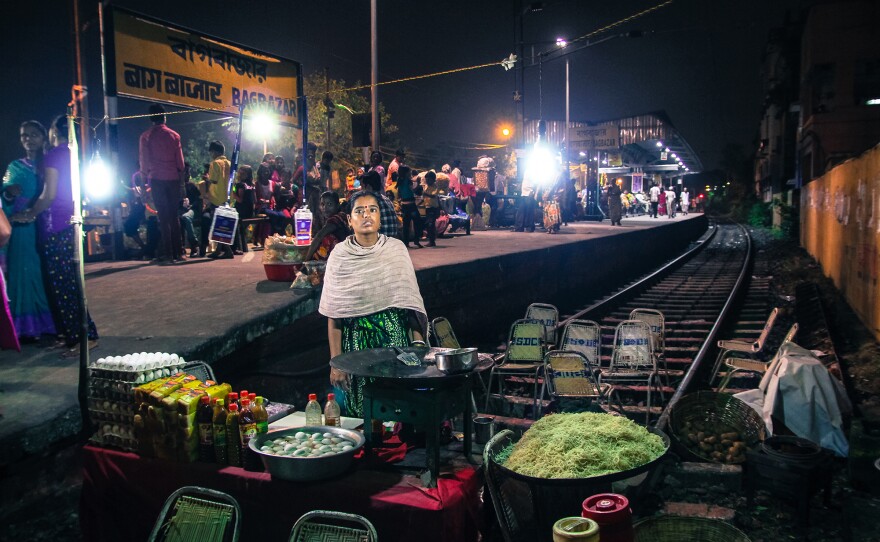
(111, 402)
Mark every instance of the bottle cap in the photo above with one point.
(313, 397)
(245, 402)
(331, 396)
(233, 396)
(220, 402)
(252, 396)
(243, 394)
(233, 407)
(204, 399)
(260, 399)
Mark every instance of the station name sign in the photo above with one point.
(156, 61)
(603, 137)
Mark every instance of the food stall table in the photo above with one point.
(421, 395)
(123, 494)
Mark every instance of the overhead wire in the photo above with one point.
(401, 79)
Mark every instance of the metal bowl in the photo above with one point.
(297, 469)
(458, 360)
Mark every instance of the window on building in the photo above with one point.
(866, 85)
(822, 84)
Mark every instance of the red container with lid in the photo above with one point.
(613, 514)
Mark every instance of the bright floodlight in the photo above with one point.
(262, 126)
(582, 153)
(541, 167)
(560, 42)
(97, 178)
(660, 144)
(873, 101)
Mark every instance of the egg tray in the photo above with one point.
(114, 390)
(140, 376)
(116, 436)
(99, 411)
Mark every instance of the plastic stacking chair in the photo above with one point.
(547, 315)
(524, 358)
(200, 370)
(198, 513)
(324, 526)
(735, 364)
(584, 337)
(442, 335)
(569, 374)
(752, 347)
(632, 361)
(745, 346)
(657, 322)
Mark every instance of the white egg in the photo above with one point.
(347, 448)
(328, 435)
(300, 435)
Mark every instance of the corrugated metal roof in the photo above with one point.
(639, 135)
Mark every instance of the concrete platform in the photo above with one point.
(204, 309)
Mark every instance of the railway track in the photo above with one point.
(697, 292)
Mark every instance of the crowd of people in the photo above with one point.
(43, 298)
(657, 201)
(177, 206)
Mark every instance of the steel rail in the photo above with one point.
(691, 375)
(645, 281)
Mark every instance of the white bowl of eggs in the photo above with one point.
(307, 453)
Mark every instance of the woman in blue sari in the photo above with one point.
(19, 259)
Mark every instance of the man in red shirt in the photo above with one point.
(161, 159)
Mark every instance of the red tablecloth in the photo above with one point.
(123, 494)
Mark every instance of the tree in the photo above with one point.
(288, 143)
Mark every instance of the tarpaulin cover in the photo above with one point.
(800, 391)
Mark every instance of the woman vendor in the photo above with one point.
(371, 297)
(335, 228)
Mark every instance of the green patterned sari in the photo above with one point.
(383, 329)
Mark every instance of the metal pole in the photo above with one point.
(305, 150)
(540, 86)
(111, 136)
(567, 120)
(77, 222)
(374, 74)
(82, 104)
(235, 154)
(522, 78)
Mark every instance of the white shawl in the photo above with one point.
(365, 280)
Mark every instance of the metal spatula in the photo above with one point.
(408, 358)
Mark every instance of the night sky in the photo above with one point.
(700, 61)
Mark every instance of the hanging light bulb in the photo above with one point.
(98, 178)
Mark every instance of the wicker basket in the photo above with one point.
(676, 529)
(717, 408)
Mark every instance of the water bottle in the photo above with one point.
(303, 220)
(331, 411)
(313, 411)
